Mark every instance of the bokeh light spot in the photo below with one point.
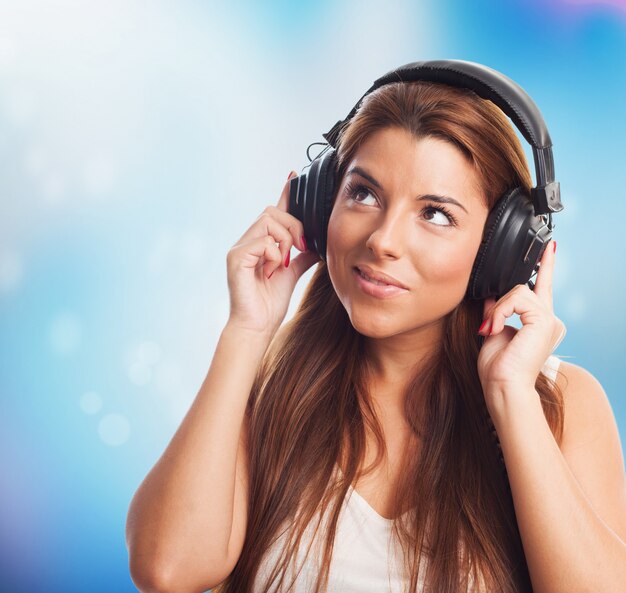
(139, 373)
(65, 334)
(90, 403)
(114, 430)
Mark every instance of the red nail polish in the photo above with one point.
(287, 259)
(303, 242)
(483, 325)
(553, 246)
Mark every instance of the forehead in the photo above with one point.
(399, 160)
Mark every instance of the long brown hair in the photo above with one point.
(310, 409)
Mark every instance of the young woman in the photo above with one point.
(394, 435)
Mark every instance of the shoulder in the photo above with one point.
(591, 444)
(588, 412)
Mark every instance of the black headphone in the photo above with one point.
(517, 229)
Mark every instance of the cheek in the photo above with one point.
(344, 245)
(337, 241)
(340, 235)
(453, 264)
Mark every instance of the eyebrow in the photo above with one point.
(432, 197)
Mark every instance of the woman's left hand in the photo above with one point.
(510, 359)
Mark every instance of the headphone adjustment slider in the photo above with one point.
(332, 135)
(547, 198)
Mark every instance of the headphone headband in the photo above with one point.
(518, 227)
(505, 93)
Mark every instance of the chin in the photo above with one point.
(372, 326)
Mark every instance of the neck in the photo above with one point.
(394, 360)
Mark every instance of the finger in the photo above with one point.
(273, 259)
(272, 256)
(283, 202)
(543, 284)
(291, 223)
(302, 262)
(519, 301)
(261, 251)
(285, 228)
(274, 230)
(488, 305)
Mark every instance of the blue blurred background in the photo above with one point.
(139, 139)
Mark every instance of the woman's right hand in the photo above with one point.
(259, 302)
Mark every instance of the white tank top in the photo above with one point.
(366, 558)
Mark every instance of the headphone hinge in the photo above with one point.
(547, 199)
(333, 134)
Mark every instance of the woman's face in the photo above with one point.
(387, 217)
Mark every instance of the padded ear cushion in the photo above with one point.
(310, 199)
(328, 188)
(325, 187)
(310, 208)
(512, 239)
(478, 275)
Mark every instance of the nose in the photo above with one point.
(387, 239)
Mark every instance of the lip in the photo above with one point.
(380, 276)
(377, 290)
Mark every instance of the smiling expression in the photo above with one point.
(412, 210)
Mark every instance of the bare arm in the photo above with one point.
(180, 520)
(570, 503)
(569, 498)
(187, 521)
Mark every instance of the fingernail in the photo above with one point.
(291, 174)
(553, 246)
(483, 325)
(287, 259)
(303, 243)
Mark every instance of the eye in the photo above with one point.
(439, 216)
(359, 194)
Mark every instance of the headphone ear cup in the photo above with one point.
(327, 187)
(310, 199)
(513, 243)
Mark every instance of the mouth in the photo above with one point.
(375, 287)
(378, 278)
(376, 282)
